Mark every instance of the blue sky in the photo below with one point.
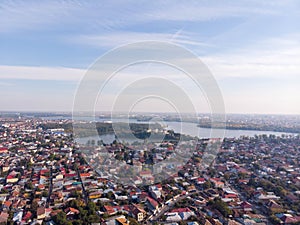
(251, 47)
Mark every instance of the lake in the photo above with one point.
(187, 128)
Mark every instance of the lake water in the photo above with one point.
(189, 129)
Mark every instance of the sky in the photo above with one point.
(252, 48)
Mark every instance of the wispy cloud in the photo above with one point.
(40, 73)
(66, 15)
(85, 15)
(113, 39)
(277, 58)
(204, 11)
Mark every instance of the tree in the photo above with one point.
(100, 204)
(221, 206)
(29, 186)
(51, 157)
(274, 220)
(34, 207)
(93, 218)
(61, 218)
(242, 175)
(110, 195)
(207, 185)
(91, 208)
(74, 204)
(4, 191)
(77, 222)
(133, 221)
(75, 194)
(45, 194)
(226, 176)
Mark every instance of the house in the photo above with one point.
(191, 188)
(41, 213)
(273, 207)
(57, 197)
(3, 150)
(289, 219)
(207, 222)
(95, 195)
(246, 206)
(27, 216)
(41, 186)
(117, 220)
(85, 175)
(146, 174)
(59, 177)
(121, 221)
(138, 180)
(138, 213)
(18, 216)
(179, 214)
(233, 222)
(71, 212)
(155, 192)
(217, 183)
(152, 204)
(213, 193)
(173, 217)
(70, 175)
(143, 197)
(48, 212)
(159, 187)
(192, 223)
(267, 197)
(109, 210)
(5, 168)
(6, 205)
(200, 181)
(4, 217)
(11, 179)
(21, 204)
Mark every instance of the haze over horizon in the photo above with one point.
(251, 48)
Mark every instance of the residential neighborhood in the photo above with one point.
(48, 178)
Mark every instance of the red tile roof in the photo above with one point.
(152, 202)
(27, 216)
(181, 210)
(70, 209)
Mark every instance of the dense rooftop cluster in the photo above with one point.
(45, 179)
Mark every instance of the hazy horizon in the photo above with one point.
(98, 113)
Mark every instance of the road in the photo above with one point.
(85, 196)
(50, 187)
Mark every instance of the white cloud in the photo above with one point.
(120, 38)
(271, 58)
(32, 15)
(64, 15)
(40, 73)
(261, 78)
(201, 11)
(277, 58)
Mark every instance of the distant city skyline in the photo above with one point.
(251, 48)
